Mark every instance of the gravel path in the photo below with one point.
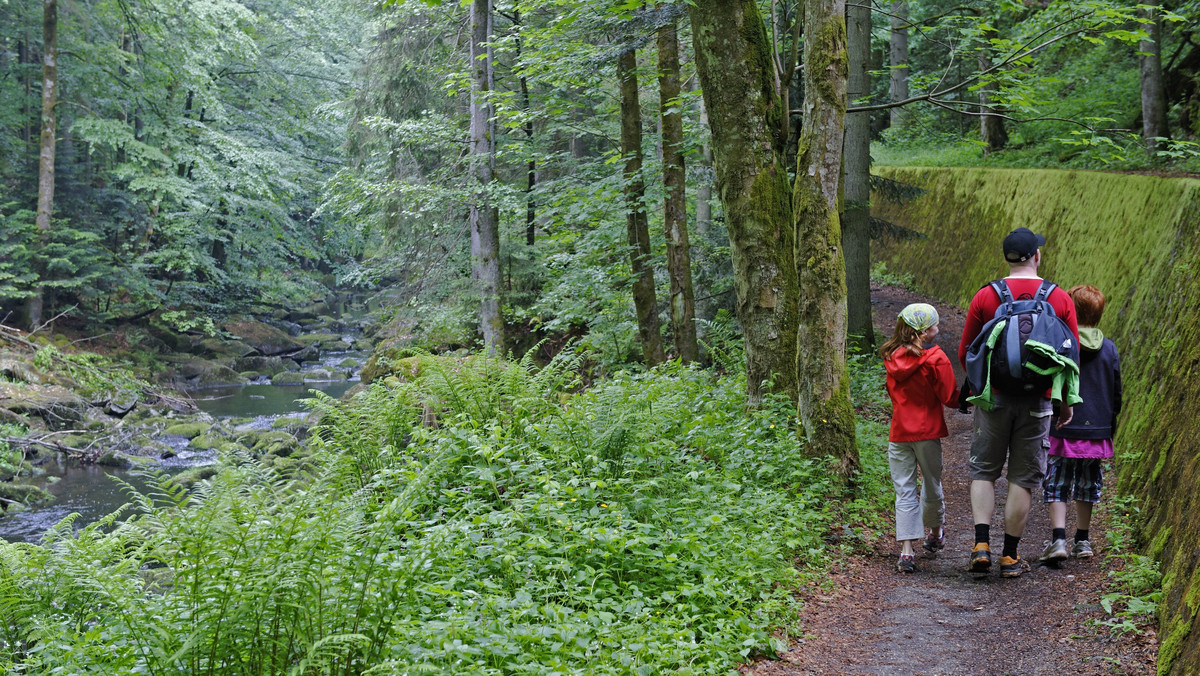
(945, 621)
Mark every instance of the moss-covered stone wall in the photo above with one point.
(1137, 238)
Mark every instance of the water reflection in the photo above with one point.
(244, 401)
(92, 492)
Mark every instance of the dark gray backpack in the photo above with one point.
(1013, 369)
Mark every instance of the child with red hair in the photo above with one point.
(1079, 448)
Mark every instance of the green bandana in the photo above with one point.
(920, 316)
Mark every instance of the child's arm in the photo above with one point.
(943, 382)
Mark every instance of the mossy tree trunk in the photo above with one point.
(1154, 97)
(45, 201)
(679, 259)
(856, 193)
(747, 119)
(826, 414)
(644, 300)
(484, 216)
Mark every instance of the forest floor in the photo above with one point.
(945, 621)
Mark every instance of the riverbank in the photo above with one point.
(164, 399)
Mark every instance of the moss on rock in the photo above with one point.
(189, 430)
(288, 378)
(193, 476)
(24, 494)
(206, 442)
(123, 460)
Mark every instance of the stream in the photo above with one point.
(93, 492)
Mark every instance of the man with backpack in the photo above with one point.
(1018, 343)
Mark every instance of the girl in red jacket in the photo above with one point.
(920, 381)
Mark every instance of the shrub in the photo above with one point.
(481, 517)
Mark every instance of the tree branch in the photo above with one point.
(991, 112)
(1015, 56)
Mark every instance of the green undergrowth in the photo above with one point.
(1136, 589)
(481, 517)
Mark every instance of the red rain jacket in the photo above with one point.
(919, 387)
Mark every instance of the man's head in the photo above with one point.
(1021, 246)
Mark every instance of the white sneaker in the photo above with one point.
(1056, 550)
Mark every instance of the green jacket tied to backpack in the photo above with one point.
(1050, 355)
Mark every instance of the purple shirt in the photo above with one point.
(1081, 448)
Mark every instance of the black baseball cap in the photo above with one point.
(1021, 244)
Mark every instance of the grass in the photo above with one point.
(481, 517)
(1100, 153)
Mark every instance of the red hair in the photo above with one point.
(1089, 304)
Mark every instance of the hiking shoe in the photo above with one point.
(906, 564)
(934, 544)
(1010, 567)
(1055, 551)
(981, 558)
(1082, 550)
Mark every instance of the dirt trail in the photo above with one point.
(944, 621)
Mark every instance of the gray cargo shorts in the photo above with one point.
(1016, 430)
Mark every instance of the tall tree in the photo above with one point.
(1154, 97)
(679, 259)
(484, 215)
(527, 127)
(749, 130)
(826, 413)
(704, 186)
(856, 193)
(45, 203)
(991, 124)
(898, 60)
(644, 299)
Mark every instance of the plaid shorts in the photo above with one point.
(1070, 479)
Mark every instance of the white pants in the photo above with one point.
(904, 457)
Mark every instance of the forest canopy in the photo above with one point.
(210, 156)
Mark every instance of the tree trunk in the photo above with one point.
(704, 185)
(856, 194)
(991, 127)
(644, 299)
(24, 57)
(484, 216)
(531, 165)
(826, 414)
(45, 202)
(679, 258)
(898, 55)
(746, 115)
(1154, 98)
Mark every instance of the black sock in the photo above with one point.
(1080, 535)
(982, 532)
(1060, 534)
(1010, 546)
